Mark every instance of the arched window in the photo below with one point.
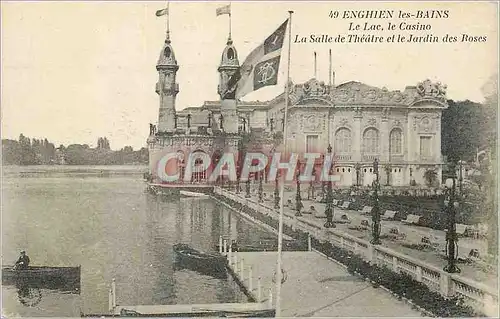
(180, 164)
(395, 143)
(230, 53)
(343, 141)
(370, 141)
(167, 52)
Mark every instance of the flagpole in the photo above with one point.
(168, 19)
(229, 20)
(283, 177)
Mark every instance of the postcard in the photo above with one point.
(249, 159)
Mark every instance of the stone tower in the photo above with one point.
(166, 87)
(228, 65)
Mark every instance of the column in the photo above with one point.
(356, 137)
(384, 140)
(408, 156)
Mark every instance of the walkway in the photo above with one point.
(318, 287)
(414, 235)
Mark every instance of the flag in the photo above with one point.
(223, 10)
(162, 12)
(261, 66)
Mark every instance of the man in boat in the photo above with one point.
(23, 261)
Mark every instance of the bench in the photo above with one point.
(344, 219)
(412, 219)
(396, 234)
(365, 223)
(389, 215)
(367, 210)
(319, 213)
(311, 210)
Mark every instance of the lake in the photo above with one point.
(102, 219)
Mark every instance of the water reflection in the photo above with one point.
(28, 296)
(112, 229)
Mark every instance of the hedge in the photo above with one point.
(401, 284)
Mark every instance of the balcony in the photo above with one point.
(343, 157)
(370, 157)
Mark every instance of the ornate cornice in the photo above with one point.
(358, 94)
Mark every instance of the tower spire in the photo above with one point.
(330, 69)
(229, 37)
(167, 40)
(315, 66)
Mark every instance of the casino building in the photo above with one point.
(402, 129)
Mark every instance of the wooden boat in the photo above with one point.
(193, 194)
(205, 263)
(67, 278)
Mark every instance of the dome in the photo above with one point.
(167, 56)
(229, 55)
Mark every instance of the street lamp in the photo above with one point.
(376, 209)
(451, 231)
(260, 188)
(276, 194)
(358, 173)
(247, 188)
(298, 198)
(388, 174)
(329, 211)
(310, 193)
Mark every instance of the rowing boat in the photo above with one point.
(193, 194)
(205, 263)
(43, 277)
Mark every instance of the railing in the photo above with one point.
(479, 296)
(370, 157)
(343, 157)
(244, 274)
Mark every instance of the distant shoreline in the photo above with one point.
(95, 169)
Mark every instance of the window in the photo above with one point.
(167, 52)
(343, 141)
(311, 143)
(395, 141)
(370, 141)
(425, 145)
(230, 54)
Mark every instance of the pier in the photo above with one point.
(314, 286)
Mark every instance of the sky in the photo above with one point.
(75, 71)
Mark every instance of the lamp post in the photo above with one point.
(298, 198)
(329, 211)
(247, 188)
(238, 187)
(276, 194)
(260, 188)
(310, 193)
(376, 209)
(388, 174)
(358, 173)
(450, 202)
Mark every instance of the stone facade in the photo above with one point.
(360, 122)
(401, 129)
